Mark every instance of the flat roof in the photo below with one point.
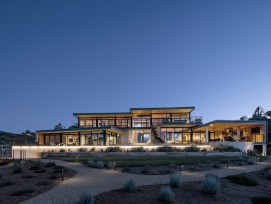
(166, 108)
(111, 128)
(232, 122)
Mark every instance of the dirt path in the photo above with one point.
(100, 181)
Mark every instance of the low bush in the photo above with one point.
(137, 149)
(90, 163)
(211, 184)
(111, 165)
(261, 200)
(40, 171)
(7, 183)
(125, 169)
(57, 171)
(44, 183)
(225, 148)
(167, 149)
(267, 175)
(22, 192)
(27, 176)
(92, 149)
(192, 148)
(62, 150)
(175, 180)
(36, 167)
(267, 169)
(17, 169)
(251, 161)
(242, 180)
(166, 195)
(86, 198)
(130, 186)
(58, 167)
(113, 149)
(99, 164)
(82, 150)
(146, 169)
(50, 164)
(53, 177)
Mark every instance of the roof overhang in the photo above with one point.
(95, 129)
(102, 115)
(162, 110)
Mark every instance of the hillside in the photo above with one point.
(7, 137)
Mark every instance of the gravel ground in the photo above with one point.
(100, 181)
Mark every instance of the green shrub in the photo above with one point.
(111, 165)
(7, 183)
(251, 161)
(192, 148)
(261, 200)
(211, 184)
(86, 198)
(166, 195)
(125, 169)
(53, 177)
(17, 169)
(225, 148)
(267, 175)
(175, 180)
(44, 183)
(242, 180)
(137, 149)
(130, 186)
(40, 171)
(90, 163)
(99, 164)
(167, 149)
(267, 169)
(92, 149)
(62, 150)
(36, 167)
(113, 149)
(50, 164)
(82, 150)
(22, 192)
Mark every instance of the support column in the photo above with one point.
(238, 133)
(104, 136)
(206, 134)
(264, 150)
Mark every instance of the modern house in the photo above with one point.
(155, 126)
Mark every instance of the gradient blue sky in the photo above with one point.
(61, 57)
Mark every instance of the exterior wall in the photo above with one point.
(133, 134)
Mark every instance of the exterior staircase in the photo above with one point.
(157, 133)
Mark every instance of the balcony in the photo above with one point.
(197, 120)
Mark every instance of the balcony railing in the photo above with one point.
(193, 120)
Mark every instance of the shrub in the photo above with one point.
(251, 152)
(22, 192)
(99, 164)
(17, 169)
(90, 163)
(113, 149)
(36, 167)
(192, 148)
(86, 198)
(167, 149)
(40, 171)
(130, 186)
(53, 177)
(225, 148)
(82, 150)
(111, 165)
(125, 169)
(267, 175)
(92, 149)
(43, 183)
(242, 180)
(250, 161)
(267, 169)
(261, 200)
(146, 169)
(175, 180)
(166, 195)
(7, 183)
(58, 167)
(137, 149)
(62, 150)
(27, 176)
(50, 164)
(211, 184)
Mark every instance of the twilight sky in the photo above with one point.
(61, 57)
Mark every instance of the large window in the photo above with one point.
(52, 139)
(87, 122)
(143, 137)
(142, 121)
(177, 135)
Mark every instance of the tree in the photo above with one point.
(259, 114)
(59, 126)
(74, 125)
(27, 132)
(244, 117)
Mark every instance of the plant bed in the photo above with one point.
(242, 180)
(16, 188)
(190, 193)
